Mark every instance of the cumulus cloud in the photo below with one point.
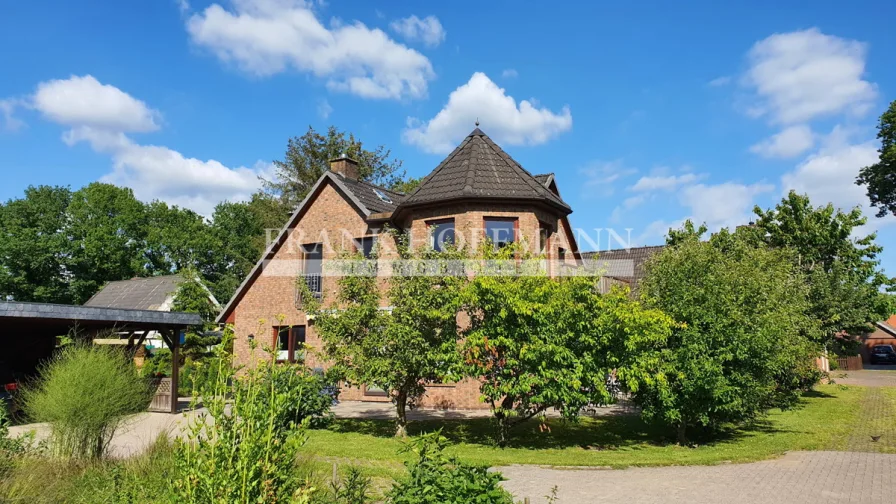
(101, 115)
(505, 121)
(265, 37)
(802, 75)
(790, 142)
(324, 109)
(720, 81)
(427, 30)
(664, 183)
(85, 101)
(157, 172)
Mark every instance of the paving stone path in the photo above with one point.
(797, 477)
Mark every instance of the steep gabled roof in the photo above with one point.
(479, 169)
(360, 195)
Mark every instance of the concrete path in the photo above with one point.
(797, 477)
(386, 411)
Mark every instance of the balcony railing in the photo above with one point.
(314, 282)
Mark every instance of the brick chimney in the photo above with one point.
(345, 166)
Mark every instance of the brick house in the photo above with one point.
(477, 191)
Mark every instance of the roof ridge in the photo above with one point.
(439, 168)
(530, 180)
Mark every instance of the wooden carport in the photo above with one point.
(28, 331)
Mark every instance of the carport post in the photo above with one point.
(175, 369)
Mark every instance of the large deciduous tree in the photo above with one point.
(106, 227)
(538, 343)
(308, 157)
(402, 348)
(880, 178)
(841, 268)
(744, 339)
(33, 246)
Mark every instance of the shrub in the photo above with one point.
(241, 451)
(436, 478)
(309, 395)
(85, 392)
(744, 343)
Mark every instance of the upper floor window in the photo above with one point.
(502, 231)
(544, 237)
(441, 234)
(366, 245)
(313, 267)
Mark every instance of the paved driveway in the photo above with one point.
(797, 477)
(872, 376)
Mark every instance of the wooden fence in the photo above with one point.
(850, 363)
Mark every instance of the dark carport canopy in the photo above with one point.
(28, 331)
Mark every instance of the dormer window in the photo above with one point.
(502, 231)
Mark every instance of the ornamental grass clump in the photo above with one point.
(85, 392)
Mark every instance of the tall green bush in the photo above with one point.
(85, 392)
(744, 342)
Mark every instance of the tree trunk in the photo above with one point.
(682, 427)
(401, 421)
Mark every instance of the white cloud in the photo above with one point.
(510, 73)
(504, 120)
(790, 142)
(265, 37)
(427, 30)
(664, 183)
(729, 204)
(802, 75)
(720, 81)
(85, 101)
(9, 121)
(157, 172)
(324, 109)
(100, 115)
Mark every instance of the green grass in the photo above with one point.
(823, 421)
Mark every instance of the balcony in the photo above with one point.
(314, 282)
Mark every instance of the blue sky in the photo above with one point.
(648, 112)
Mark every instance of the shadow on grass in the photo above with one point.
(603, 433)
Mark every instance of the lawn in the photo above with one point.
(824, 421)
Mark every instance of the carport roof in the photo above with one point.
(90, 316)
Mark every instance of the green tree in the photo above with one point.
(106, 229)
(33, 246)
(308, 157)
(743, 343)
(880, 178)
(402, 349)
(540, 343)
(841, 269)
(192, 296)
(175, 239)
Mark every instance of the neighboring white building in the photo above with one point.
(152, 293)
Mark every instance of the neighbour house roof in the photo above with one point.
(624, 264)
(479, 169)
(137, 293)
